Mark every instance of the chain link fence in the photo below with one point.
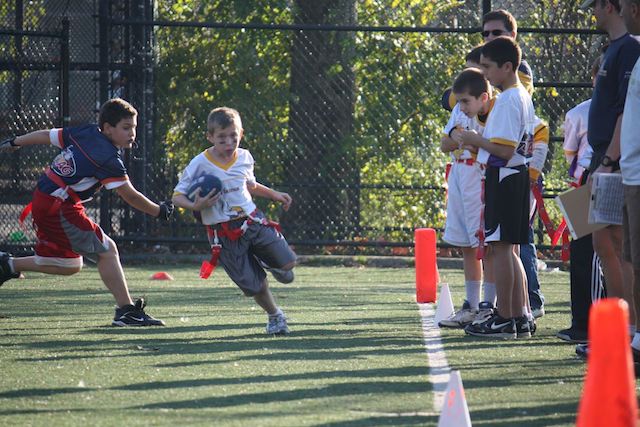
(341, 107)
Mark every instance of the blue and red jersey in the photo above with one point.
(87, 162)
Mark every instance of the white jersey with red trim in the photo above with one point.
(511, 122)
(236, 176)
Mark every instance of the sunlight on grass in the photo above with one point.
(355, 356)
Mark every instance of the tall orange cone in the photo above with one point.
(426, 265)
(608, 396)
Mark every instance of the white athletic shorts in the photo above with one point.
(464, 205)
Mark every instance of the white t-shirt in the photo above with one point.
(460, 120)
(576, 145)
(236, 200)
(511, 122)
(630, 133)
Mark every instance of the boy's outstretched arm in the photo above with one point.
(269, 193)
(139, 201)
(39, 137)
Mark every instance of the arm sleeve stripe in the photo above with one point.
(501, 141)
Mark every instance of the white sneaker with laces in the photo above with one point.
(460, 319)
(277, 325)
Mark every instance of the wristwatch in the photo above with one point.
(608, 161)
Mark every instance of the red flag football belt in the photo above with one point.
(208, 266)
(55, 205)
(554, 234)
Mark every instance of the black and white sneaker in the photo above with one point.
(582, 350)
(523, 327)
(5, 269)
(494, 327)
(134, 315)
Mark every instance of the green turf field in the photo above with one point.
(355, 356)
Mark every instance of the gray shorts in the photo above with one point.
(631, 225)
(240, 258)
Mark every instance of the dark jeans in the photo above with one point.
(529, 259)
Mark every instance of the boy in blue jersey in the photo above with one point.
(89, 159)
(503, 148)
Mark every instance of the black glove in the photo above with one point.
(9, 144)
(166, 209)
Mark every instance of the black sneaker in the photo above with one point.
(5, 270)
(523, 327)
(573, 335)
(494, 327)
(582, 350)
(134, 315)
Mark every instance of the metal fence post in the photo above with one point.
(103, 50)
(64, 74)
(486, 7)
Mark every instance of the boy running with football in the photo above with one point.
(241, 238)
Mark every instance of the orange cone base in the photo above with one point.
(161, 275)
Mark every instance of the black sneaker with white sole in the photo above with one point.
(5, 269)
(134, 315)
(523, 327)
(494, 327)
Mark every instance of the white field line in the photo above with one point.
(439, 370)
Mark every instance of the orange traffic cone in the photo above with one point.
(427, 277)
(608, 396)
(161, 275)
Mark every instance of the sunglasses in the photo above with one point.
(485, 34)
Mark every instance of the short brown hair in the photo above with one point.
(115, 110)
(472, 81)
(501, 50)
(614, 3)
(474, 54)
(510, 23)
(223, 117)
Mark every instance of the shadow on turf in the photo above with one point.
(406, 372)
(545, 414)
(332, 390)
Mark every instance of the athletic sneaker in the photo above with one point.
(461, 318)
(582, 350)
(134, 315)
(573, 335)
(5, 270)
(523, 327)
(494, 327)
(277, 325)
(537, 312)
(485, 311)
(282, 276)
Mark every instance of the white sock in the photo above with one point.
(636, 341)
(472, 288)
(277, 313)
(490, 292)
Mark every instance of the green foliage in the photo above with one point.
(397, 120)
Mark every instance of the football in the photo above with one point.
(203, 185)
